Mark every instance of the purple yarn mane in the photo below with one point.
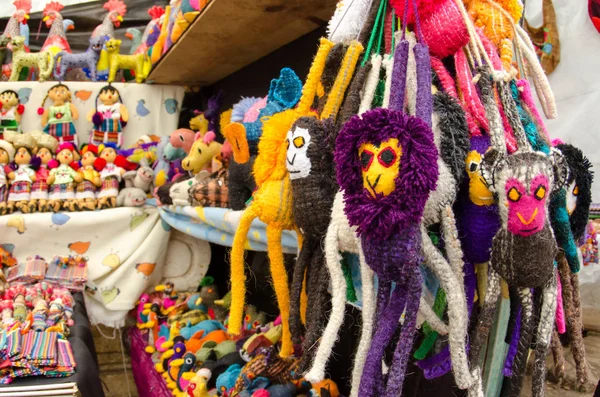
(389, 229)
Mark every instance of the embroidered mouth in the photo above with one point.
(373, 185)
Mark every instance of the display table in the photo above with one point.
(126, 249)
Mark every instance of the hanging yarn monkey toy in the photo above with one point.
(271, 203)
(386, 168)
(310, 164)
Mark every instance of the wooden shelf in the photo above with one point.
(230, 34)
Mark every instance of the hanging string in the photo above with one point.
(372, 38)
(381, 28)
(393, 33)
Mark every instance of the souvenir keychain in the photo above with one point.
(91, 182)
(62, 179)
(10, 112)
(108, 117)
(22, 178)
(46, 145)
(58, 119)
(7, 153)
(110, 174)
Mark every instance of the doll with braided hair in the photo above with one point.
(271, 203)
(109, 117)
(58, 119)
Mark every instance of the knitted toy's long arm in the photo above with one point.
(238, 278)
(558, 354)
(544, 334)
(570, 287)
(338, 303)
(280, 283)
(486, 316)
(527, 328)
(296, 327)
(457, 310)
(559, 218)
(368, 318)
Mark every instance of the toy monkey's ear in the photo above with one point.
(560, 167)
(236, 135)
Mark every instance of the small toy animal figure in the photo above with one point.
(118, 61)
(23, 177)
(131, 197)
(57, 37)
(201, 153)
(88, 59)
(141, 178)
(43, 61)
(109, 117)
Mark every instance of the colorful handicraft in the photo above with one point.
(118, 61)
(46, 147)
(23, 177)
(7, 153)
(58, 119)
(62, 179)
(10, 112)
(43, 61)
(88, 59)
(272, 203)
(386, 168)
(109, 117)
(111, 175)
(57, 37)
(85, 194)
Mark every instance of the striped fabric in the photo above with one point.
(30, 271)
(72, 277)
(63, 191)
(19, 191)
(212, 191)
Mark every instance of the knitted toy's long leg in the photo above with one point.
(398, 368)
(452, 246)
(280, 283)
(368, 316)
(371, 383)
(527, 328)
(238, 277)
(457, 310)
(432, 318)
(486, 317)
(302, 262)
(315, 328)
(570, 286)
(544, 334)
(558, 354)
(338, 304)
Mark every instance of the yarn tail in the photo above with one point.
(544, 334)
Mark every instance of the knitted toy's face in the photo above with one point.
(478, 189)
(109, 154)
(59, 95)
(527, 205)
(572, 196)
(380, 164)
(298, 163)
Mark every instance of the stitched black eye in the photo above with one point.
(387, 157)
(366, 158)
(181, 138)
(473, 166)
(199, 151)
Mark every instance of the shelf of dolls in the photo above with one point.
(229, 35)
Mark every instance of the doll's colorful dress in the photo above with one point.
(3, 185)
(110, 128)
(39, 189)
(63, 187)
(111, 176)
(20, 188)
(8, 121)
(60, 124)
(85, 188)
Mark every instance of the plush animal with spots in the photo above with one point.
(118, 61)
(43, 61)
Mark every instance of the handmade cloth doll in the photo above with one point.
(62, 179)
(17, 294)
(110, 174)
(272, 203)
(7, 152)
(109, 117)
(58, 119)
(85, 194)
(6, 306)
(46, 145)
(10, 112)
(22, 178)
